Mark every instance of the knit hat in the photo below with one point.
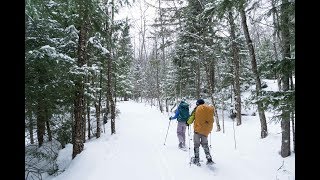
(199, 102)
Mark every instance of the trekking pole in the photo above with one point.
(167, 133)
(189, 144)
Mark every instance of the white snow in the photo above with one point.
(137, 151)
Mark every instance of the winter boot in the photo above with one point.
(209, 161)
(207, 153)
(196, 156)
(195, 160)
(183, 145)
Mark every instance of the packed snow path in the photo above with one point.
(137, 152)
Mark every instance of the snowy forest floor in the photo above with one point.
(137, 151)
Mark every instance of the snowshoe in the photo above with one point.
(195, 161)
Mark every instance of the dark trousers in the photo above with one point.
(203, 140)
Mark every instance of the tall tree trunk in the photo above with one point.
(158, 90)
(79, 94)
(72, 125)
(48, 124)
(276, 37)
(157, 64)
(285, 121)
(109, 71)
(162, 35)
(115, 85)
(211, 82)
(88, 102)
(107, 107)
(236, 64)
(41, 119)
(88, 118)
(113, 117)
(222, 116)
(83, 136)
(49, 131)
(98, 106)
(30, 126)
(291, 82)
(78, 113)
(198, 77)
(293, 132)
(167, 105)
(263, 122)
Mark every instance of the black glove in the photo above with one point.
(170, 118)
(187, 124)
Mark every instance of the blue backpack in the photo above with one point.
(183, 112)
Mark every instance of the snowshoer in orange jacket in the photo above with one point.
(202, 116)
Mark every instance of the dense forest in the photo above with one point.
(81, 59)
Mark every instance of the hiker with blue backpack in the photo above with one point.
(182, 115)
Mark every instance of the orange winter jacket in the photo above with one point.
(203, 119)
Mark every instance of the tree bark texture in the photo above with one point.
(293, 132)
(88, 118)
(48, 130)
(285, 121)
(109, 74)
(198, 76)
(41, 120)
(211, 83)
(83, 136)
(98, 108)
(79, 95)
(167, 105)
(30, 127)
(263, 122)
(236, 64)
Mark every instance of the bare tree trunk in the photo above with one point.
(88, 104)
(222, 116)
(293, 132)
(112, 104)
(263, 122)
(72, 125)
(167, 105)
(78, 112)
(88, 118)
(107, 107)
(285, 121)
(115, 86)
(41, 119)
(198, 75)
(48, 125)
(291, 82)
(83, 136)
(236, 63)
(31, 127)
(211, 82)
(157, 64)
(275, 38)
(79, 94)
(98, 107)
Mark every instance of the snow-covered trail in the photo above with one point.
(137, 151)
